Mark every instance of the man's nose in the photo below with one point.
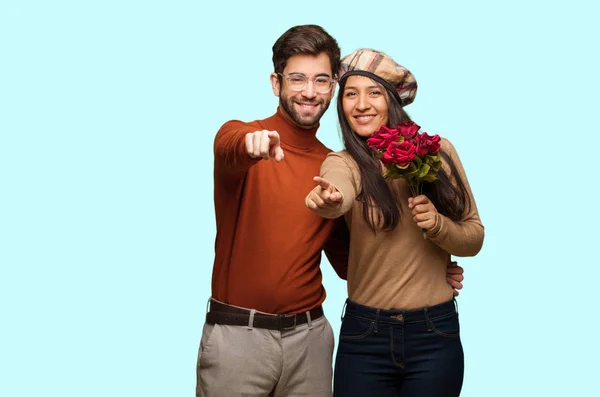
(309, 90)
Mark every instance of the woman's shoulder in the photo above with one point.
(341, 159)
(446, 144)
(342, 154)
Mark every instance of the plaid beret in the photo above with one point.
(381, 68)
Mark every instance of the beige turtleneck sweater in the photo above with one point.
(399, 269)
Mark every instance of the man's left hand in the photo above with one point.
(454, 276)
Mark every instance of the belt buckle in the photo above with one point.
(283, 317)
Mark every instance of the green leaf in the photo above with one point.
(429, 177)
(424, 170)
(435, 161)
(433, 157)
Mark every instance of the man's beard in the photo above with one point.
(287, 104)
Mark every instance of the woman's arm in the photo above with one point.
(336, 188)
(463, 238)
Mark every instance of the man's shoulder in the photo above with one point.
(257, 124)
(239, 124)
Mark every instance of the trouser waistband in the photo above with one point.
(222, 313)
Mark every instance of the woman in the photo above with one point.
(400, 330)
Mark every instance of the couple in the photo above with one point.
(265, 332)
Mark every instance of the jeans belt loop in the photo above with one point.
(377, 320)
(427, 320)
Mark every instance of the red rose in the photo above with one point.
(381, 139)
(408, 129)
(428, 144)
(399, 153)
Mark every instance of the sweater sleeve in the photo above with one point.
(339, 172)
(463, 238)
(230, 147)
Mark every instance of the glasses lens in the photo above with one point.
(297, 81)
(322, 84)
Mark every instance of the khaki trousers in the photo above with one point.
(235, 361)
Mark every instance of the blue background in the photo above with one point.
(108, 111)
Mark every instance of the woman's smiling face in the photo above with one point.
(365, 105)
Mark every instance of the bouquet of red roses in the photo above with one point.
(407, 153)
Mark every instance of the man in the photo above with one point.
(265, 333)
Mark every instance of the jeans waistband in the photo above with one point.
(394, 316)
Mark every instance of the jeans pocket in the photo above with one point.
(446, 325)
(355, 327)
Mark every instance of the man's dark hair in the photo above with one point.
(305, 39)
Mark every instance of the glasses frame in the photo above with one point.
(332, 81)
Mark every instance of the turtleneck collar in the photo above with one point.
(290, 133)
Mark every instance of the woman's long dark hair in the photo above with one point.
(450, 199)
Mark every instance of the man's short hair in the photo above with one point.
(305, 39)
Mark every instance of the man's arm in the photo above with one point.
(337, 248)
(238, 146)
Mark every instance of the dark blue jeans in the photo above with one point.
(400, 353)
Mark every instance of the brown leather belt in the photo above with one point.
(230, 315)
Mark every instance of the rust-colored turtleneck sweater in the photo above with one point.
(268, 244)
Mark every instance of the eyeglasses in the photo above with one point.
(298, 82)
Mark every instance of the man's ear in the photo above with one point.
(275, 84)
